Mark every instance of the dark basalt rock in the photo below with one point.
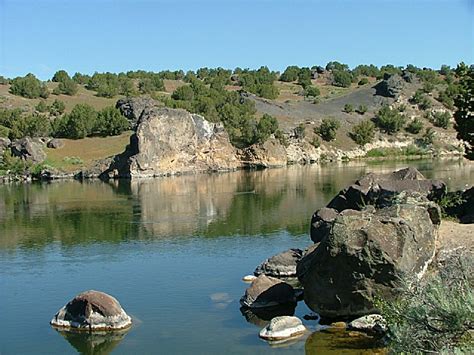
(391, 86)
(132, 108)
(367, 253)
(379, 189)
(280, 265)
(321, 223)
(92, 311)
(267, 291)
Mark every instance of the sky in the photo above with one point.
(43, 36)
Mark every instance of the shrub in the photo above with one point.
(363, 133)
(415, 126)
(434, 316)
(184, 93)
(290, 74)
(42, 106)
(428, 87)
(57, 108)
(4, 131)
(60, 76)
(328, 129)
(267, 125)
(316, 142)
(81, 78)
(281, 137)
(389, 120)
(110, 122)
(311, 91)
(363, 81)
(402, 108)
(300, 131)
(464, 103)
(29, 87)
(348, 108)
(67, 87)
(77, 124)
(361, 109)
(342, 78)
(441, 119)
(428, 137)
(31, 125)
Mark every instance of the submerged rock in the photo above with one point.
(282, 328)
(267, 291)
(280, 265)
(92, 311)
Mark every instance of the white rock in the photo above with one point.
(284, 327)
(369, 323)
(248, 278)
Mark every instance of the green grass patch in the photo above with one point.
(411, 150)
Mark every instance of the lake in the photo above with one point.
(171, 250)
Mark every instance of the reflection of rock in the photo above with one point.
(341, 342)
(93, 343)
(267, 292)
(280, 265)
(261, 316)
(367, 253)
(283, 328)
(91, 311)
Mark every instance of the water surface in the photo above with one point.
(172, 250)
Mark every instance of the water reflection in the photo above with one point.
(240, 203)
(261, 316)
(342, 342)
(93, 343)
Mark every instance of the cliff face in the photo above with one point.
(170, 141)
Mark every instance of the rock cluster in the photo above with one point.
(280, 265)
(364, 249)
(391, 86)
(92, 311)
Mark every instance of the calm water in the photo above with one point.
(172, 250)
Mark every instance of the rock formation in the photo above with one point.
(280, 265)
(267, 291)
(92, 311)
(266, 155)
(365, 252)
(28, 149)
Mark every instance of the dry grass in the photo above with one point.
(87, 150)
(172, 85)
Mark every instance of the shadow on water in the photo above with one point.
(93, 343)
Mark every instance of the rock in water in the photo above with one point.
(267, 292)
(280, 265)
(372, 323)
(174, 141)
(366, 254)
(92, 311)
(281, 328)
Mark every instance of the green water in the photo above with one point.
(172, 250)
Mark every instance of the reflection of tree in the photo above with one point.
(93, 343)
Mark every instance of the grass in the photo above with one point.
(77, 154)
(411, 150)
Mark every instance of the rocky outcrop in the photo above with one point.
(379, 189)
(268, 292)
(92, 311)
(281, 328)
(265, 155)
(391, 86)
(172, 141)
(321, 223)
(366, 253)
(280, 265)
(28, 149)
(132, 108)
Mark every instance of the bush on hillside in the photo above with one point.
(311, 91)
(440, 119)
(110, 122)
(78, 124)
(389, 120)
(328, 129)
(29, 86)
(348, 108)
(361, 109)
(57, 108)
(415, 126)
(342, 78)
(363, 133)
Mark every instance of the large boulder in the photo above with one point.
(379, 189)
(280, 265)
(28, 149)
(391, 86)
(92, 311)
(321, 223)
(174, 141)
(269, 154)
(366, 254)
(4, 144)
(267, 291)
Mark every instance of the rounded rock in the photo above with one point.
(92, 311)
(281, 328)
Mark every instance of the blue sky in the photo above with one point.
(42, 36)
